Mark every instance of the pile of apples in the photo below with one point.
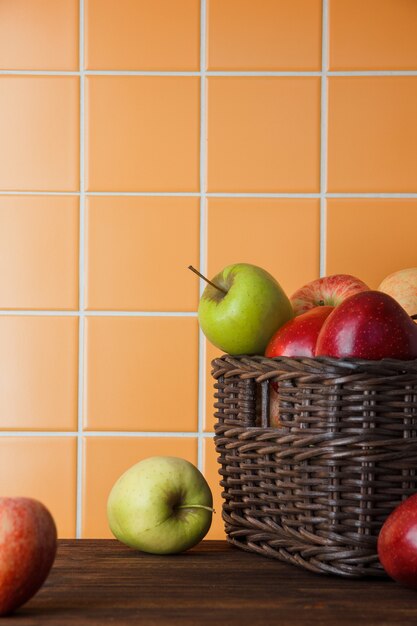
(244, 310)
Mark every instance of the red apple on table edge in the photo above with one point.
(368, 325)
(329, 290)
(298, 336)
(28, 540)
(397, 543)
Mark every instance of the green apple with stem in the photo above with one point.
(241, 308)
(161, 505)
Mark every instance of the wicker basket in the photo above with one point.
(315, 489)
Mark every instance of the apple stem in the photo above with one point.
(196, 506)
(190, 267)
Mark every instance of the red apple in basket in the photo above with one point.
(397, 543)
(368, 325)
(27, 550)
(298, 337)
(329, 290)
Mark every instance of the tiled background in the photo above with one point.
(141, 136)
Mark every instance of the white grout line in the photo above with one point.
(178, 194)
(141, 313)
(140, 73)
(107, 433)
(208, 73)
(81, 282)
(261, 73)
(37, 73)
(121, 433)
(372, 73)
(214, 194)
(39, 193)
(284, 194)
(58, 313)
(38, 433)
(323, 136)
(372, 195)
(203, 234)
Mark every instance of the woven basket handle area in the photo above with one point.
(244, 385)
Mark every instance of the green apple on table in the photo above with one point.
(161, 505)
(241, 308)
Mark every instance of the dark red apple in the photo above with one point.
(368, 325)
(28, 540)
(298, 336)
(397, 543)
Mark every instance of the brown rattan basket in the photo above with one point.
(315, 489)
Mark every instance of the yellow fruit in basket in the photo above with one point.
(402, 286)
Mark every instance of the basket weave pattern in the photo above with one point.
(315, 490)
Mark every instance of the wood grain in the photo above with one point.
(99, 582)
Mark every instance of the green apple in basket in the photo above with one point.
(241, 308)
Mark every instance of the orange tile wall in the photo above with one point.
(141, 136)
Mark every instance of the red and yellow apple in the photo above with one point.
(328, 290)
(402, 286)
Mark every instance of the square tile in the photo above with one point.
(39, 124)
(263, 134)
(27, 465)
(143, 35)
(141, 373)
(373, 35)
(269, 232)
(38, 372)
(371, 238)
(211, 474)
(266, 35)
(39, 35)
(372, 144)
(142, 133)
(99, 475)
(39, 252)
(135, 264)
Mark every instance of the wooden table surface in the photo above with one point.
(99, 582)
